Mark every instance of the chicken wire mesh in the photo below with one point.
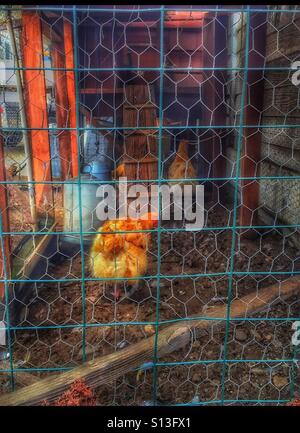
(125, 86)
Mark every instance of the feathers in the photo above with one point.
(121, 255)
(119, 171)
(181, 167)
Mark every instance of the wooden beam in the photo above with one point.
(4, 214)
(208, 90)
(167, 89)
(173, 19)
(219, 113)
(184, 19)
(105, 369)
(252, 141)
(36, 106)
(101, 90)
(69, 53)
(62, 111)
(150, 25)
(171, 24)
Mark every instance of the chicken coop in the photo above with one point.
(144, 312)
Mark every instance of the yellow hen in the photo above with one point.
(122, 255)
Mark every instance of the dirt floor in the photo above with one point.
(184, 254)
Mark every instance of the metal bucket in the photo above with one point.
(89, 202)
(98, 170)
(97, 150)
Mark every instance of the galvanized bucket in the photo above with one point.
(89, 201)
(98, 170)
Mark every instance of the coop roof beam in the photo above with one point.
(191, 24)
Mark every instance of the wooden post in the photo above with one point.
(252, 142)
(140, 143)
(219, 108)
(62, 111)
(26, 141)
(207, 148)
(4, 215)
(70, 76)
(214, 112)
(36, 106)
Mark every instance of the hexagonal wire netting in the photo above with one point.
(122, 87)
